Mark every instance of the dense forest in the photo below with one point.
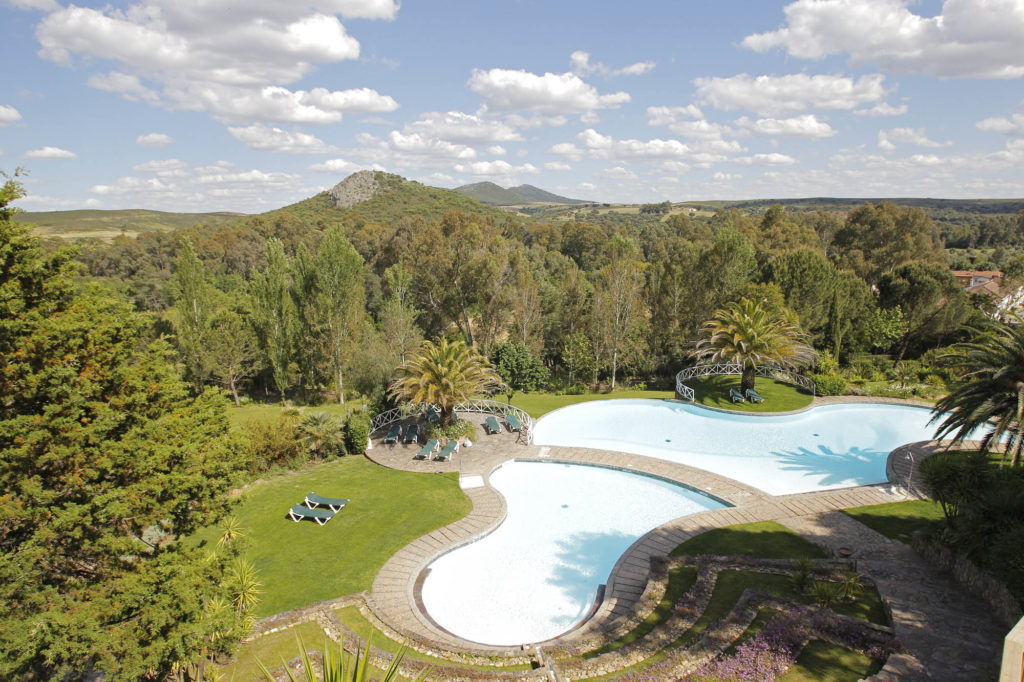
(313, 300)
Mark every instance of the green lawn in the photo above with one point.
(764, 540)
(538, 404)
(899, 520)
(239, 416)
(302, 563)
(272, 649)
(778, 397)
(824, 662)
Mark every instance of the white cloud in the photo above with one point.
(8, 115)
(154, 140)
(497, 150)
(773, 159)
(725, 177)
(233, 60)
(335, 166)
(581, 65)
(619, 173)
(262, 138)
(495, 169)
(45, 5)
(774, 95)
(668, 116)
(887, 139)
(50, 153)
(999, 124)
(969, 39)
(462, 128)
(882, 109)
(568, 150)
(557, 166)
(800, 126)
(166, 168)
(600, 146)
(505, 90)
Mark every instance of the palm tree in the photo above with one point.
(320, 432)
(752, 335)
(990, 391)
(444, 374)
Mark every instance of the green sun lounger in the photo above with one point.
(492, 426)
(394, 433)
(432, 416)
(735, 395)
(335, 504)
(753, 396)
(427, 449)
(447, 450)
(513, 423)
(412, 434)
(299, 512)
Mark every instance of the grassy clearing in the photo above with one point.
(272, 650)
(302, 563)
(538, 404)
(778, 397)
(764, 540)
(240, 416)
(680, 580)
(824, 662)
(899, 520)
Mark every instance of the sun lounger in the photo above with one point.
(446, 452)
(432, 416)
(753, 396)
(513, 423)
(313, 500)
(427, 449)
(735, 395)
(491, 425)
(299, 512)
(394, 433)
(412, 434)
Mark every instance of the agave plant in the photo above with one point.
(340, 666)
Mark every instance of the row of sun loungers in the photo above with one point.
(318, 508)
(412, 434)
(492, 426)
(427, 451)
(751, 395)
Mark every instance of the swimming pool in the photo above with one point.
(536, 575)
(827, 447)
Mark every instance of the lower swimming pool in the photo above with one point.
(827, 447)
(537, 574)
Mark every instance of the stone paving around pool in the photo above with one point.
(947, 634)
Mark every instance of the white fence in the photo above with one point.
(766, 371)
(483, 406)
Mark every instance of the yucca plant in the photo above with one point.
(340, 666)
(444, 374)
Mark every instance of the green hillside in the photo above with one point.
(537, 194)
(97, 224)
(496, 195)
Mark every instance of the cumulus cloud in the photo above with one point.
(882, 109)
(773, 159)
(462, 128)
(412, 151)
(233, 60)
(969, 39)
(551, 94)
(495, 168)
(568, 150)
(50, 153)
(8, 115)
(557, 166)
(165, 168)
(619, 173)
(581, 65)
(497, 150)
(775, 95)
(1000, 124)
(154, 140)
(807, 125)
(262, 138)
(888, 139)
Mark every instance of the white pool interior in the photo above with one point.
(827, 447)
(536, 576)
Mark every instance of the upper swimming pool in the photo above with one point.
(827, 447)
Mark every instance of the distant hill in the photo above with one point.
(983, 206)
(97, 224)
(496, 195)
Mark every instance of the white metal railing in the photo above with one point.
(716, 369)
(477, 405)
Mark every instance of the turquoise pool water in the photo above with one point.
(833, 446)
(537, 574)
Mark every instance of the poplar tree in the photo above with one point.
(274, 314)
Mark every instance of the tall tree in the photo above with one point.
(752, 335)
(340, 302)
(517, 368)
(274, 314)
(105, 464)
(444, 374)
(232, 351)
(620, 312)
(194, 305)
(878, 238)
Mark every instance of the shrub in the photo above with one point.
(273, 443)
(357, 433)
(826, 593)
(576, 389)
(830, 384)
(460, 428)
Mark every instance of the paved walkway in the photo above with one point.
(946, 633)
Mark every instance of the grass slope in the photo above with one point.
(763, 540)
(899, 520)
(778, 397)
(538, 404)
(302, 563)
(87, 224)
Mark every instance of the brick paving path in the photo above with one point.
(943, 630)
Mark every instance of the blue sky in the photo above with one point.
(196, 105)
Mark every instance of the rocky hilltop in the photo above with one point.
(363, 186)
